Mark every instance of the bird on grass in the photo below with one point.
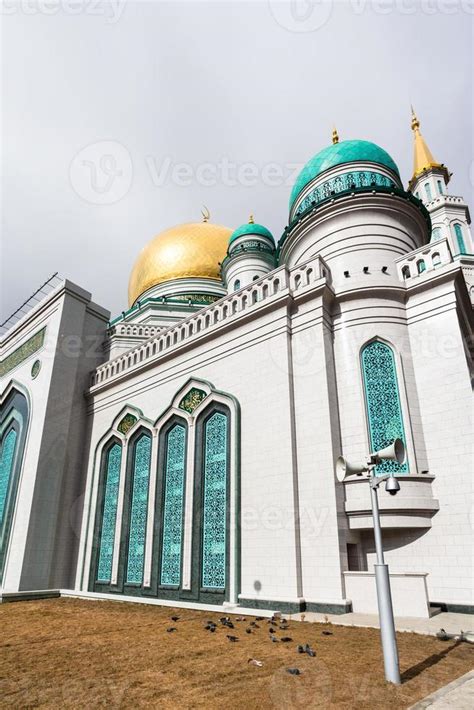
(259, 618)
(293, 671)
(328, 633)
(286, 639)
(442, 635)
(254, 624)
(300, 649)
(309, 650)
(170, 629)
(174, 618)
(248, 631)
(273, 639)
(271, 631)
(233, 639)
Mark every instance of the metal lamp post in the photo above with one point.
(394, 452)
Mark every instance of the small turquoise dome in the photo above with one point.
(338, 154)
(250, 229)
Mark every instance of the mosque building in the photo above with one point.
(184, 452)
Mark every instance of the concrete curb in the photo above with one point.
(461, 691)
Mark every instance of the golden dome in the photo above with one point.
(188, 250)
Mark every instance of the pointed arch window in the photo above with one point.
(173, 506)
(236, 284)
(421, 266)
(460, 239)
(215, 501)
(428, 191)
(113, 460)
(436, 234)
(138, 509)
(7, 454)
(384, 412)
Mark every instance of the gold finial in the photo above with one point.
(335, 136)
(251, 220)
(205, 214)
(415, 124)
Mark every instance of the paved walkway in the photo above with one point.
(450, 622)
(458, 695)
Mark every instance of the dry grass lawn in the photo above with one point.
(69, 653)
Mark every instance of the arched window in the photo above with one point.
(236, 284)
(440, 187)
(460, 239)
(173, 506)
(214, 502)
(384, 413)
(406, 272)
(138, 509)
(13, 428)
(421, 266)
(428, 191)
(6, 466)
(436, 259)
(436, 234)
(111, 479)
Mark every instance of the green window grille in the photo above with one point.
(138, 512)
(215, 502)
(109, 515)
(460, 239)
(173, 506)
(383, 402)
(343, 183)
(6, 467)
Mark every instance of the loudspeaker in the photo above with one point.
(345, 468)
(394, 452)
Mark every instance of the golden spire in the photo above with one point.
(251, 219)
(205, 214)
(335, 136)
(423, 157)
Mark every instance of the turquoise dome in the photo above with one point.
(250, 229)
(338, 154)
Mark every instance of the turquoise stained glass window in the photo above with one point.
(436, 234)
(138, 512)
(421, 266)
(6, 467)
(440, 187)
(460, 239)
(428, 191)
(107, 534)
(215, 502)
(383, 402)
(173, 506)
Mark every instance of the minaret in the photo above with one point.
(251, 254)
(449, 214)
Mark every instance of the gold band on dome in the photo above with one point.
(192, 250)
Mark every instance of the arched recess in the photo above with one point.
(14, 420)
(385, 421)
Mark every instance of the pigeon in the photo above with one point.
(327, 633)
(259, 618)
(293, 671)
(224, 619)
(309, 650)
(174, 618)
(254, 624)
(232, 638)
(273, 639)
(248, 631)
(240, 618)
(254, 662)
(300, 649)
(271, 631)
(286, 639)
(443, 636)
(170, 629)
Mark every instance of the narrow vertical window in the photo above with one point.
(421, 266)
(107, 533)
(214, 502)
(173, 506)
(236, 284)
(384, 411)
(436, 234)
(428, 191)
(138, 511)
(440, 187)
(6, 468)
(460, 239)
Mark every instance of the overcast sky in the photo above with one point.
(123, 118)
